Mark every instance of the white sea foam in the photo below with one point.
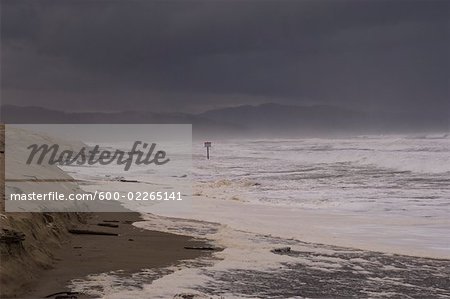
(379, 193)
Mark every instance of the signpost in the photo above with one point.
(207, 145)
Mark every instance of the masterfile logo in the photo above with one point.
(97, 167)
(85, 156)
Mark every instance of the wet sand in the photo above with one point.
(50, 257)
(134, 249)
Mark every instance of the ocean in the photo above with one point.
(349, 208)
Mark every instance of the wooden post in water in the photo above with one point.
(207, 145)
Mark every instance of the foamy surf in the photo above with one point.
(378, 194)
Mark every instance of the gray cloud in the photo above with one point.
(194, 55)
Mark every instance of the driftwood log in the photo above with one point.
(200, 247)
(282, 250)
(108, 224)
(128, 181)
(90, 232)
(11, 237)
(71, 295)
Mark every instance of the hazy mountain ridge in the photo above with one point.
(38, 115)
(275, 117)
(319, 119)
(261, 120)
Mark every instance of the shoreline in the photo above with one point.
(275, 252)
(311, 226)
(268, 266)
(47, 256)
(131, 251)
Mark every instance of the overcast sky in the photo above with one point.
(189, 56)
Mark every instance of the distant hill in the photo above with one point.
(17, 114)
(254, 121)
(273, 118)
(38, 115)
(276, 119)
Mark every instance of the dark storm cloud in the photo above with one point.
(179, 55)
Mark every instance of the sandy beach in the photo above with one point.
(50, 257)
(261, 250)
(310, 240)
(71, 256)
(224, 149)
(130, 252)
